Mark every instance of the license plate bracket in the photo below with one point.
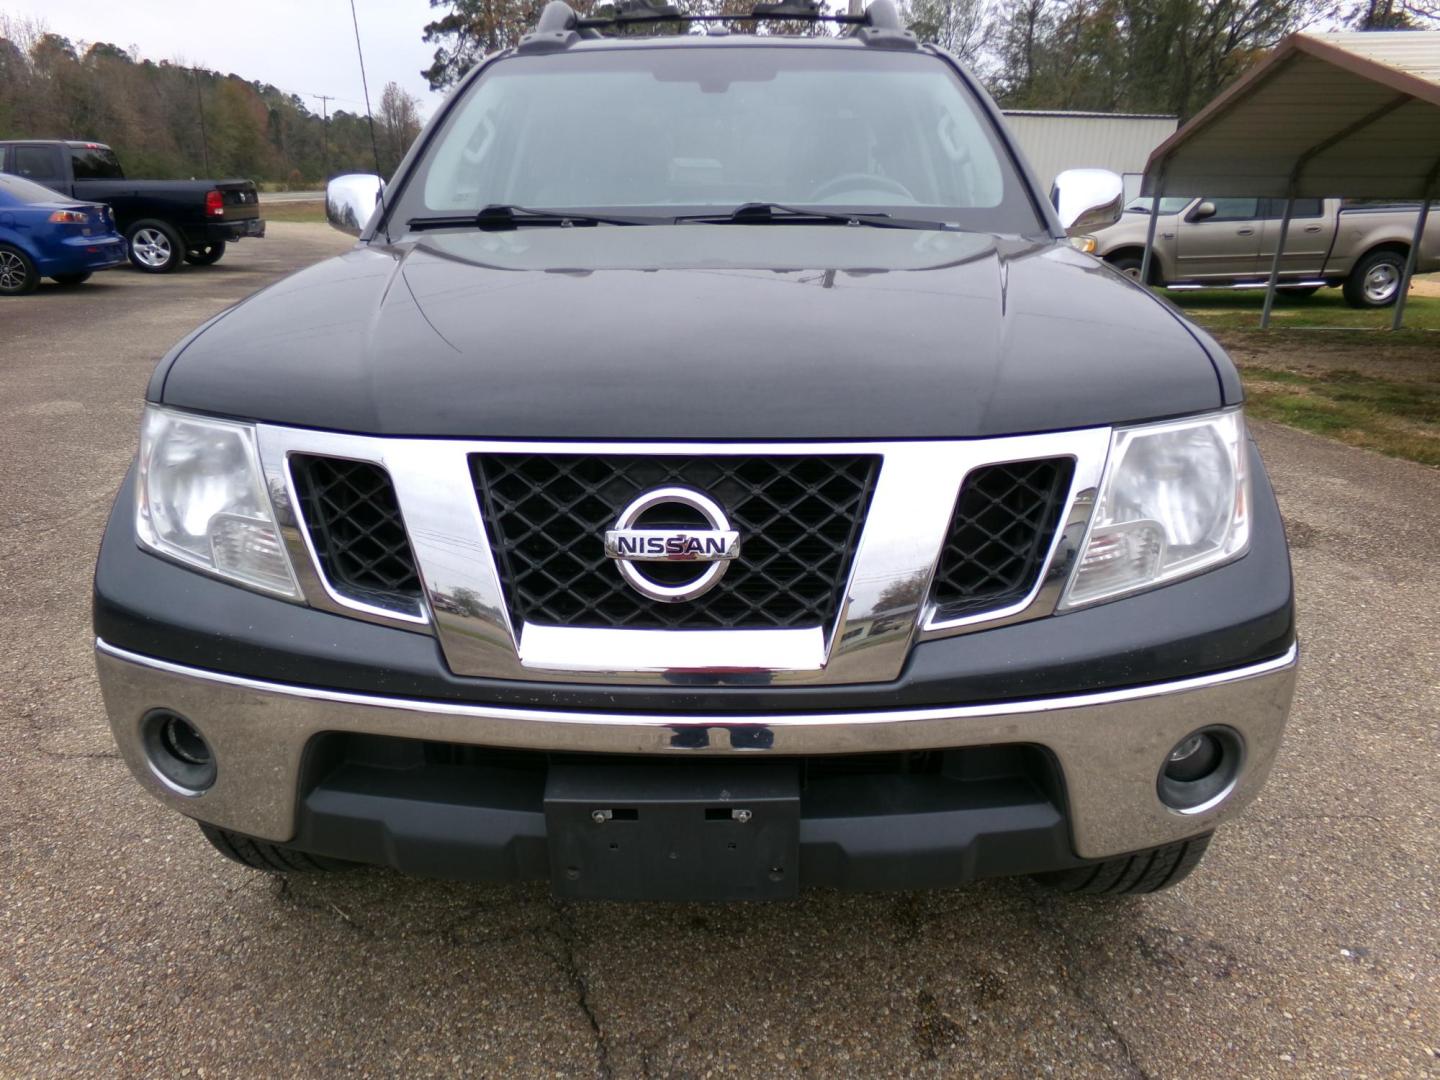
(695, 831)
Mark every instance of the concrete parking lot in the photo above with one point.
(1308, 943)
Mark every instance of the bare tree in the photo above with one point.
(400, 122)
(961, 27)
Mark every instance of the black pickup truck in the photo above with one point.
(712, 472)
(163, 221)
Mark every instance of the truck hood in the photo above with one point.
(698, 332)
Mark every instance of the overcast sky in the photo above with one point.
(301, 46)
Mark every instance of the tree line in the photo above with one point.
(1151, 56)
(167, 120)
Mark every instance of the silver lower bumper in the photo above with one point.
(1109, 745)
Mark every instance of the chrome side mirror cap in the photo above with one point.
(1205, 210)
(350, 201)
(1088, 199)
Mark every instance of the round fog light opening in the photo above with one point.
(179, 755)
(1201, 770)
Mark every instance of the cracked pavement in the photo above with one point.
(1307, 944)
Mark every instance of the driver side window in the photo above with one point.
(1234, 210)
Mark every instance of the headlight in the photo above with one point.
(1175, 500)
(201, 501)
(1081, 242)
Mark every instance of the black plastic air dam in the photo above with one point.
(986, 827)
(1231, 617)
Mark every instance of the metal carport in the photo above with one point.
(1352, 115)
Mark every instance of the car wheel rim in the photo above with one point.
(151, 247)
(1132, 272)
(12, 271)
(1381, 283)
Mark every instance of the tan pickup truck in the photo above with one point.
(1230, 243)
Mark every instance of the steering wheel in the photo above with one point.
(856, 181)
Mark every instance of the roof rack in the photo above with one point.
(559, 27)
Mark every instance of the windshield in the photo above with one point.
(1168, 205)
(15, 189)
(679, 130)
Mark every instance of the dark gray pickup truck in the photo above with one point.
(711, 473)
(163, 221)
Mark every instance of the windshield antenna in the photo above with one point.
(370, 116)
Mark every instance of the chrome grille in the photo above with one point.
(799, 518)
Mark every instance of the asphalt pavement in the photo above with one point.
(1307, 944)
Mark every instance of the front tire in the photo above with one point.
(1140, 872)
(206, 254)
(71, 280)
(1375, 280)
(1130, 266)
(154, 247)
(18, 275)
(263, 855)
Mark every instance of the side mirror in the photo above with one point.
(350, 200)
(1205, 210)
(1088, 199)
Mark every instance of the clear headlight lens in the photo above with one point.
(1175, 500)
(201, 500)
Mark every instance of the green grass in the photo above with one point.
(279, 185)
(1337, 371)
(1399, 418)
(1220, 309)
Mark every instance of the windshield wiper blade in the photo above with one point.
(765, 213)
(498, 216)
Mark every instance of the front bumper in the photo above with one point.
(1107, 748)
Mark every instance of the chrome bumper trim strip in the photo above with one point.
(1109, 744)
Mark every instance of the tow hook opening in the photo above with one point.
(178, 753)
(1201, 769)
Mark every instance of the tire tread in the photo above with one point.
(264, 855)
(1134, 874)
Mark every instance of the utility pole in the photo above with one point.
(325, 100)
(200, 105)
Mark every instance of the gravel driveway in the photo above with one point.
(1307, 944)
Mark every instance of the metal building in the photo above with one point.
(1121, 142)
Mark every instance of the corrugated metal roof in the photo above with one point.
(1410, 51)
(1332, 115)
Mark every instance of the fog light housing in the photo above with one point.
(1194, 758)
(1201, 769)
(179, 755)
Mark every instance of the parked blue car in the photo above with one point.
(43, 234)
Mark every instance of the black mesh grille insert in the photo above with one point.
(799, 518)
(1004, 523)
(354, 521)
